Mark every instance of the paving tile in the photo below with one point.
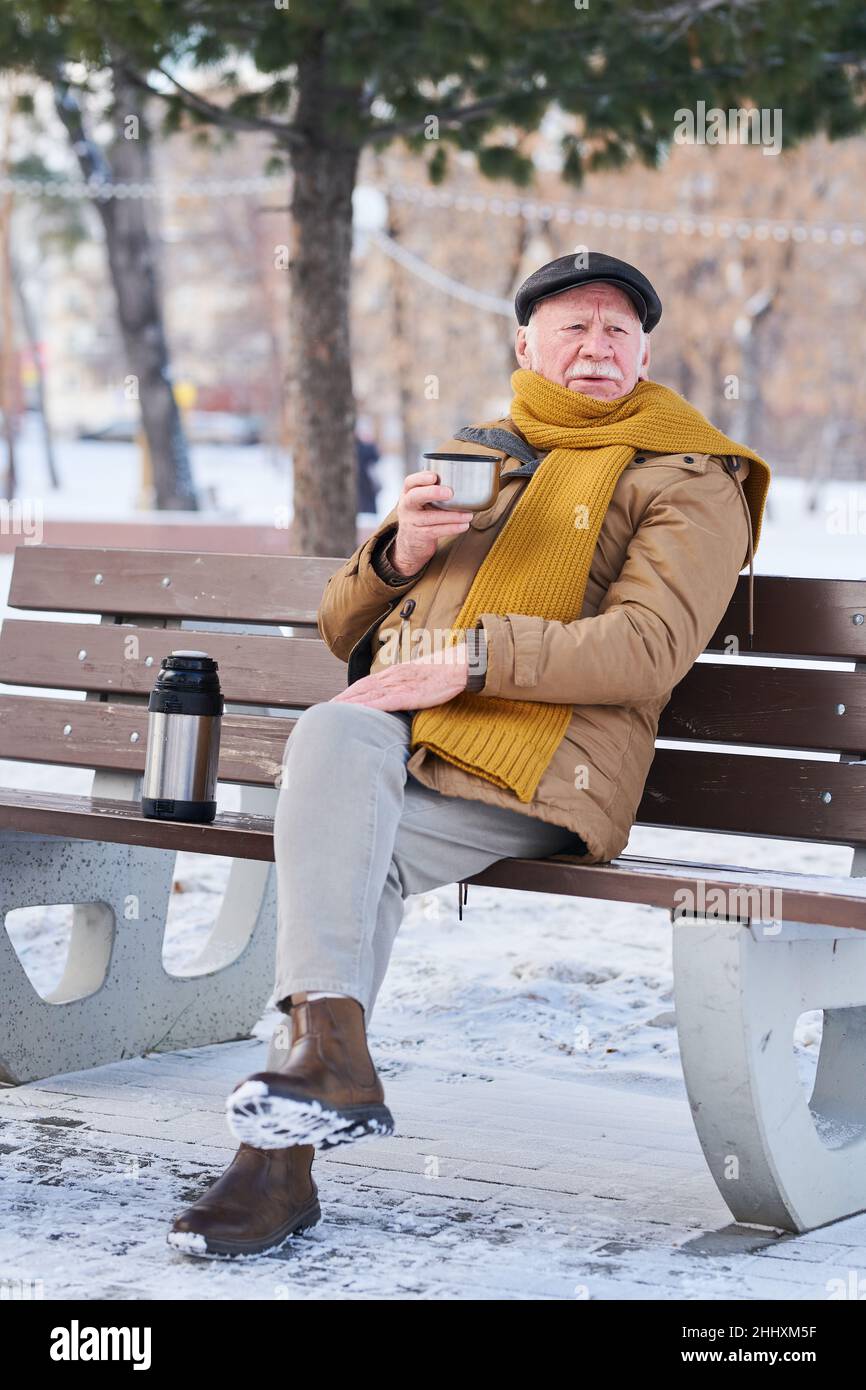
(546, 1189)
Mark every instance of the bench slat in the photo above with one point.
(806, 898)
(280, 671)
(794, 617)
(755, 794)
(234, 833)
(100, 737)
(829, 901)
(777, 706)
(281, 589)
(721, 702)
(797, 617)
(741, 793)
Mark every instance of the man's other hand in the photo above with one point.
(428, 680)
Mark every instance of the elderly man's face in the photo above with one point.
(587, 339)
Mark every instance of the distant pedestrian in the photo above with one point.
(367, 456)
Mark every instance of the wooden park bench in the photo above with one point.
(743, 972)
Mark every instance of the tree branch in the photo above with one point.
(458, 116)
(286, 133)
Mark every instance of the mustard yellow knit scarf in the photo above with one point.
(540, 560)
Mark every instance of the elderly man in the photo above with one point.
(506, 672)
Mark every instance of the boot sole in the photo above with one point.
(264, 1120)
(209, 1248)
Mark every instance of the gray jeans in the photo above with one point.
(354, 835)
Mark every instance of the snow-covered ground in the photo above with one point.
(542, 990)
(100, 481)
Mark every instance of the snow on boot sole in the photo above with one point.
(212, 1248)
(265, 1120)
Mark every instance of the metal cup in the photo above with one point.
(474, 478)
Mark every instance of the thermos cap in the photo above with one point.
(187, 683)
(183, 660)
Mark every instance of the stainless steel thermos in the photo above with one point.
(183, 739)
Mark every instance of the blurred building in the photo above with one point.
(764, 332)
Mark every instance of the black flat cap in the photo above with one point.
(586, 268)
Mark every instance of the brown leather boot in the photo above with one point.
(327, 1092)
(255, 1205)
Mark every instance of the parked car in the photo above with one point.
(201, 427)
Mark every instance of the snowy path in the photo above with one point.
(500, 1184)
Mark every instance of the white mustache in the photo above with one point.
(607, 369)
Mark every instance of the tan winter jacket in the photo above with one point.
(675, 537)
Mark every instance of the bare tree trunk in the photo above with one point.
(274, 320)
(8, 373)
(9, 365)
(752, 316)
(508, 287)
(406, 386)
(29, 325)
(132, 263)
(323, 405)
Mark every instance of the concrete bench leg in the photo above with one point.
(228, 986)
(779, 1158)
(116, 951)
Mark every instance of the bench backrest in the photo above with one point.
(142, 596)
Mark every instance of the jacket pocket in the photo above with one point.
(687, 463)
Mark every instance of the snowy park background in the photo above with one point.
(238, 226)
